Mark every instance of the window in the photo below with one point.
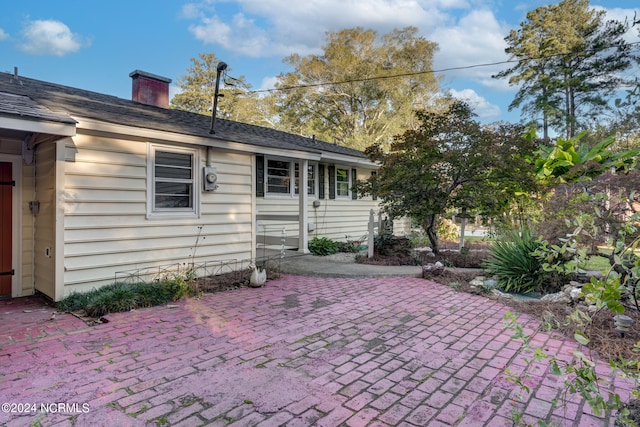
(172, 181)
(311, 179)
(278, 177)
(342, 182)
(279, 174)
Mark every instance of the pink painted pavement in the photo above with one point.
(301, 351)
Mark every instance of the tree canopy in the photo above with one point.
(451, 162)
(570, 63)
(361, 105)
(237, 102)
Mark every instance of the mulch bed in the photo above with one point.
(222, 282)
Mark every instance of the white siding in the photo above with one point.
(106, 228)
(44, 254)
(342, 219)
(337, 219)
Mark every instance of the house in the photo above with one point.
(92, 186)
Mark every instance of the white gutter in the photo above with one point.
(343, 159)
(38, 126)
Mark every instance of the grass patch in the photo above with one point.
(119, 297)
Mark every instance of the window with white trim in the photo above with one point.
(342, 183)
(172, 174)
(283, 178)
(278, 176)
(311, 179)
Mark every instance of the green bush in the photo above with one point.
(113, 299)
(389, 245)
(418, 238)
(514, 263)
(76, 301)
(322, 246)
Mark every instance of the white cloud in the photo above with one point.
(268, 83)
(623, 15)
(3, 35)
(263, 28)
(477, 38)
(49, 37)
(483, 108)
(467, 32)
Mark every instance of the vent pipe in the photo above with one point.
(221, 67)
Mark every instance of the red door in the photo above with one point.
(6, 269)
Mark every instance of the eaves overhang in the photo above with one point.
(26, 125)
(213, 141)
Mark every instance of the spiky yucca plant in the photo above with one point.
(513, 264)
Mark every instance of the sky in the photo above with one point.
(94, 45)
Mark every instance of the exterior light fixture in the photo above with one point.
(623, 324)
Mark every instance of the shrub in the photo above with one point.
(515, 265)
(348, 247)
(322, 246)
(388, 245)
(418, 238)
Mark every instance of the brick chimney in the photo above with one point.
(150, 89)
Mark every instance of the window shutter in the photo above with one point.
(374, 196)
(259, 176)
(332, 182)
(321, 181)
(354, 178)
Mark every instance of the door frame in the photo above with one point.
(16, 222)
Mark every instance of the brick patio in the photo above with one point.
(301, 351)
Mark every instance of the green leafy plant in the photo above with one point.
(387, 244)
(580, 373)
(349, 246)
(514, 263)
(567, 163)
(322, 246)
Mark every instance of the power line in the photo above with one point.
(416, 73)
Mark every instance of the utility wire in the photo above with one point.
(415, 73)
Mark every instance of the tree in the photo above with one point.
(237, 101)
(570, 63)
(361, 105)
(590, 181)
(450, 161)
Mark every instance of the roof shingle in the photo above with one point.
(48, 101)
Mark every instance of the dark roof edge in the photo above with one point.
(149, 75)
